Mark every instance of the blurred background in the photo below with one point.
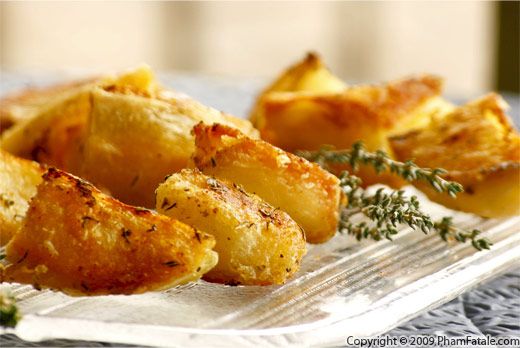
(474, 45)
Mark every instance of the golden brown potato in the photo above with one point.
(257, 244)
(310, 75)
(23, 105)
(122, 133)
(479, 148)
(18, 181)
(78, 240)
(306, 121)
(53, 135)
(139, 133)
(309, 194)
(56, 119)
(310, 115)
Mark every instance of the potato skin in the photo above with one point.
(257, 243)
(479, 147)
(18, 181)
(80, 241)
(305, 116)
(139, 134)
(309, 194)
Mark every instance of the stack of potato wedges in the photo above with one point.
(82, 171)
(117, 185)
(308, 107)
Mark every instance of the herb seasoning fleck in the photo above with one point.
(171, 263)
(126, 233)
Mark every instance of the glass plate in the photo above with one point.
(344, 288)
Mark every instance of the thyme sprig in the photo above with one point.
(387, 210)
(381, 162)
(447, 230)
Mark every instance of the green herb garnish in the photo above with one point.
(381, 162)
(388, 210)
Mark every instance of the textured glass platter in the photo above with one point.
(343, 288)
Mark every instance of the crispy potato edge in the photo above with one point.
(257, 243)
(284, 180)
(82, 242)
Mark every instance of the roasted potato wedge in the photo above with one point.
(309, 194)
(122, 133)
(26, 104)
(82, 242)
(330, 112)
(138, 134)
(18, 181)
(257, 244)
(479, 147)
(53, 135)
(310, 75)
(56, 122)
(306, 121)
(308, 115)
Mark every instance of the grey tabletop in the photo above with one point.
(493, 308)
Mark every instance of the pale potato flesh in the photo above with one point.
(257, 244)
(309, 194)
(82, 242)
(18, 181)
(479, 147)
